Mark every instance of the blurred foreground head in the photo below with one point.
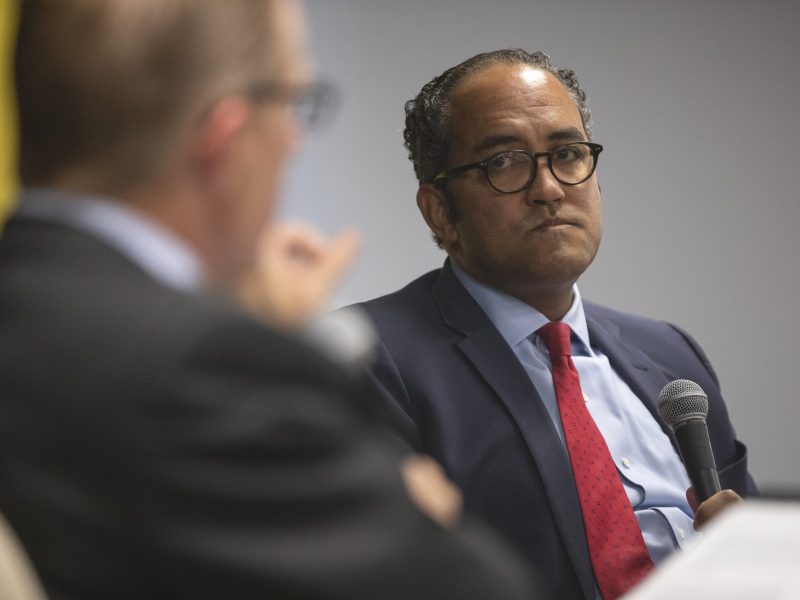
(179, 107)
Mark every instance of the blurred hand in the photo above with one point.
(296, 271)
(711, 508)
(431, 490)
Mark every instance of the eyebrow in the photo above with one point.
(494, 140)
(569, 134)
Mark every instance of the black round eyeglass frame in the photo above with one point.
(594, 149)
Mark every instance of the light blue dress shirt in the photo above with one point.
(157, 251)
(651, 470)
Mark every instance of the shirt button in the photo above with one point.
(586, 399)
(626, 463)
(681, 533)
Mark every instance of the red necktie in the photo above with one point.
(616, 547)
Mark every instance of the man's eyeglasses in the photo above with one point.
(313, 103)
(514, 170)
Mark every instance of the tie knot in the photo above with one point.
(556, 337)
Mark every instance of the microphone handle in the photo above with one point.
(695, 449)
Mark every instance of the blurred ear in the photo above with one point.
(435, 210)
(214, 143)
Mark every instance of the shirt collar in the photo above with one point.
(156, 250)
(516, 320)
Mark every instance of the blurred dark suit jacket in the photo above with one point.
(459, 393)
(161, 444)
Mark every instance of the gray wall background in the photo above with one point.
(696, 103)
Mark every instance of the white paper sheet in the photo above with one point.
(752, 552)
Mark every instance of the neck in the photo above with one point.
(181, 212)
(553, 298)
(552, 301)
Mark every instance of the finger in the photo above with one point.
(714, 506)
(691, 497)
(338, 254)
(295, 237)
(430, 490)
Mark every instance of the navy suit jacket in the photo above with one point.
(157, 444)
(457, 391)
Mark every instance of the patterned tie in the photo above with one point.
(616, 547)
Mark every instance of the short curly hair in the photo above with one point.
(427, 115)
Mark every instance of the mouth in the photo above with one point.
(554, 225)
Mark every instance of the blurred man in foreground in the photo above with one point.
(155, 441)
(540, 406)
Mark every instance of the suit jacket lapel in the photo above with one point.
(641, 374)
(486, 349)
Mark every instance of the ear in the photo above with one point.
(214, 144)
(434, 207)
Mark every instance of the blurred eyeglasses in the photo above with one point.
(314, 104)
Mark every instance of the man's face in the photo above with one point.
(539, 238)
(271, 135)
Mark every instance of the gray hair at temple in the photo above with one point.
(106, 88)
(426, 132)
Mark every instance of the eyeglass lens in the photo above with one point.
(316, 105)
(513, 171)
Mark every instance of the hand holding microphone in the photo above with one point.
(683, 405)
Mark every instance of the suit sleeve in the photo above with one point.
(390, 394)
(732, 464)
(263, 476)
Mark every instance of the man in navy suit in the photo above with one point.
(501, 145)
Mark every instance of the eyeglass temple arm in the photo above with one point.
(447, 173)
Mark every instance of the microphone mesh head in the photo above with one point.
(681, 400)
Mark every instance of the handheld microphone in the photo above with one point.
(683, 405)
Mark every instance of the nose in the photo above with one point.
(545, 188)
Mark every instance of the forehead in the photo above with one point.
(289, 54)
(514, 100)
